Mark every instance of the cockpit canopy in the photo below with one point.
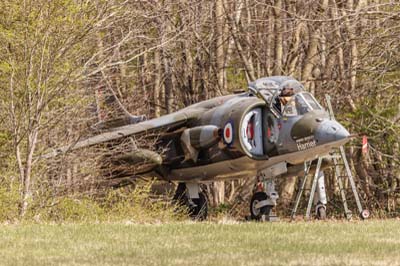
(299, 104)
(286, 95)
(274, 85)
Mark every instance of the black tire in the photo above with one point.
(365, 214)
(180, 194)
(197, 208)
(180, 199)
(256, 214)
(321, 213)
(200, 211)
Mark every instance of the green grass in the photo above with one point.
(300, 243)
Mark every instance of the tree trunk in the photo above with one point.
(287, 189)
(247, 65)
(278, 28)
(157, 84)
(219, 31)
(311, 57)
(219, 192)
(168, 84)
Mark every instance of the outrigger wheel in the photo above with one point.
(364, 214)
(257, 213)
(321, 211)
(197, 208)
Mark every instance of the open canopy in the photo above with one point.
(274, 85)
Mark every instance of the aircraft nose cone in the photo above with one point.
(330, 131)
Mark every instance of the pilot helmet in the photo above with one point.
(290, 87)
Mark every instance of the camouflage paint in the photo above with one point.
(291, 142)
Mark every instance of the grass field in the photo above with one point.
(300, 243)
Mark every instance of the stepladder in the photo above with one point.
(317, 195)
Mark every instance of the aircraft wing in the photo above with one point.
(179, 118)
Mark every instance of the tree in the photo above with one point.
(44, 45)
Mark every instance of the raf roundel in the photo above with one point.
(228, 133)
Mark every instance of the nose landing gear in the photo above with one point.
(263, 202)
(258, 206)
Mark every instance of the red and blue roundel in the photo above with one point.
(228, 133)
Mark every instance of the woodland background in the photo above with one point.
(159, 56)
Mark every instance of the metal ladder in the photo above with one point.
(364, 214)
(340, 154)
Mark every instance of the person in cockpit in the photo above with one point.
(284, 98)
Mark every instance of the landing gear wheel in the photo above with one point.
(321, 212)
(364, 214)
(180, 197)
(257, 213)
(197, 208)
(200, 210)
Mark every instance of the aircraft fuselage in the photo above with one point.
(246, 137)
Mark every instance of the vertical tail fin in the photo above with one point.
(110, 111)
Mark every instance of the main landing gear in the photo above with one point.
(188, 195)
(263, 201)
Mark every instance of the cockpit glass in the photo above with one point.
(311, 101)
(289, 106)
(301, 105)
(267, 93)
(298, 104)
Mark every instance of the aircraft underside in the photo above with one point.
(245, 166)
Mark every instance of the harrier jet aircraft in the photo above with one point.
(268, 131)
